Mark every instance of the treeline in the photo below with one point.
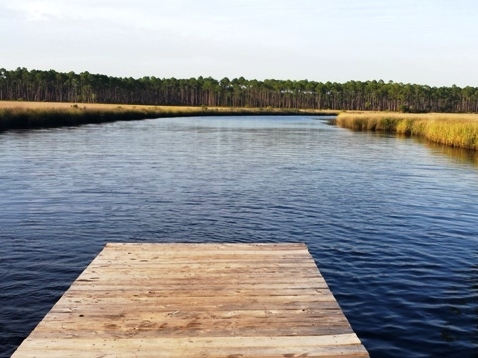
(52, 86)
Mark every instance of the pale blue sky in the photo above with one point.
(422, 41)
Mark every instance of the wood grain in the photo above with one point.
(196, 300)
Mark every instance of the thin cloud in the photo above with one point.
(284, 39)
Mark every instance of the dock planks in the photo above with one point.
(196, 300)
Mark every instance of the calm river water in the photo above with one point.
(391, 223)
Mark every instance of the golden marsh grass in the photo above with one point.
(15, 114)
(456, 130)
(63, 106)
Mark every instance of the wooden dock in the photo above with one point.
(196, 300)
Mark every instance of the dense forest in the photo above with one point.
(52, 86)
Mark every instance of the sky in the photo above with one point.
(432, 42)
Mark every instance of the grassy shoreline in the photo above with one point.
(26, 115)
(454, 130)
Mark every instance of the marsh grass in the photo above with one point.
(14, 115)
(455, 130)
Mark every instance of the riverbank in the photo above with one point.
(23, 115)
(455, 130)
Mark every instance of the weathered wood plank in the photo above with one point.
(324, 346)
(204, 247)
(98, 315)
(141, 331)
(170, 275)
(226, 341)
(182, 292)
(81, 307)
(152, 286)
(197, 300)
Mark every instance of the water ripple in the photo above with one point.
(390, 222)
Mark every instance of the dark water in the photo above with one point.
(392, 223)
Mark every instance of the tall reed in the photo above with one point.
(456, 130)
